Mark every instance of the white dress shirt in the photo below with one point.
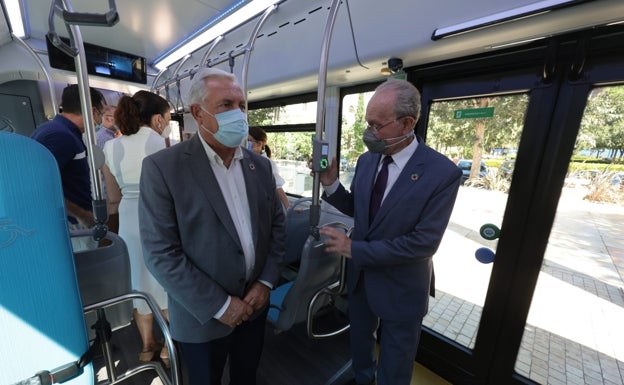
(232, 185)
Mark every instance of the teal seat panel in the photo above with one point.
(41, 312)
(277, 300)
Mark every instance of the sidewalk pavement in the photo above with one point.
(575, 328)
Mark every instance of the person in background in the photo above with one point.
(257, 142)
(143, 120)
(63, 137)
(105, 132)
(213, 230)
(401, 199)
(107, 129)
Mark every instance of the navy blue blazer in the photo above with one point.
(394, 254)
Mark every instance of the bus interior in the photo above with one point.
(528, 95)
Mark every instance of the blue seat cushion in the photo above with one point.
(277, 298)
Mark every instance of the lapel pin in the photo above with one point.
(414, 177)
(252, 166)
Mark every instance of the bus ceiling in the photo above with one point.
(366, 33)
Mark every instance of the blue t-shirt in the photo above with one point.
(64, 140)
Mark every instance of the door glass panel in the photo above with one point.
(290, 151)
(481, 135)
(575, 328)
(353, 125)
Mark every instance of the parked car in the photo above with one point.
(618, 179)
(466, 164)
(344, 164)
(507, 168)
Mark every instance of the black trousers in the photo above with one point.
(204, 362)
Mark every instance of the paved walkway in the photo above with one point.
(575, 329)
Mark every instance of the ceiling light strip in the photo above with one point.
(501, 17)
(15, 12)
(234, 17)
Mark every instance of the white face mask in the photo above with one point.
(166, 131)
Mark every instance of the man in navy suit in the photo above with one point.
(390, 251)
(213, 229)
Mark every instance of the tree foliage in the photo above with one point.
(284, 145)
(458, 137)
(351, 135)
(291, 145)
(602, 127)
(261, 116)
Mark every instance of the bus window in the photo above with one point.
(290, 130)
(353, 125)
(470, 132)
(574, 332)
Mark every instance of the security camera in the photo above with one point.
(395, 64)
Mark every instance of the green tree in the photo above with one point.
(351, 142)
(460, 137)
(602, 127)
(290, 145)
(358, 128)
(261, 116)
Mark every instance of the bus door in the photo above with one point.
(515, 123)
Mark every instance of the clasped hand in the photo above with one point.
(240, 310)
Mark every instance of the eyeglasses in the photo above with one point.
(376, 128)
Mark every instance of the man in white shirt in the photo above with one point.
(213, 229)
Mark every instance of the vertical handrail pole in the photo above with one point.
(43, 69)
(155, 82)
(179, 66)
(249, 48)
(100, 214)
(174, 77)
(204, 58)
(315, 207)
(174, 74)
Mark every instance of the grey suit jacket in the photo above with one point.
(394, 253)
(190, 243)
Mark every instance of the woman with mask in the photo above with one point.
(257, 142)
(143, 119)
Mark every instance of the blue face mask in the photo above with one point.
(232, 125)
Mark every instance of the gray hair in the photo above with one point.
(199, 92)
(407, 97)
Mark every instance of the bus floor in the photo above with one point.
(289, 358)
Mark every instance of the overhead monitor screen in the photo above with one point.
(102, 61)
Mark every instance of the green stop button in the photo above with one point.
(489, 231)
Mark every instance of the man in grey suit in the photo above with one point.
(401, 199)
(213, 229)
